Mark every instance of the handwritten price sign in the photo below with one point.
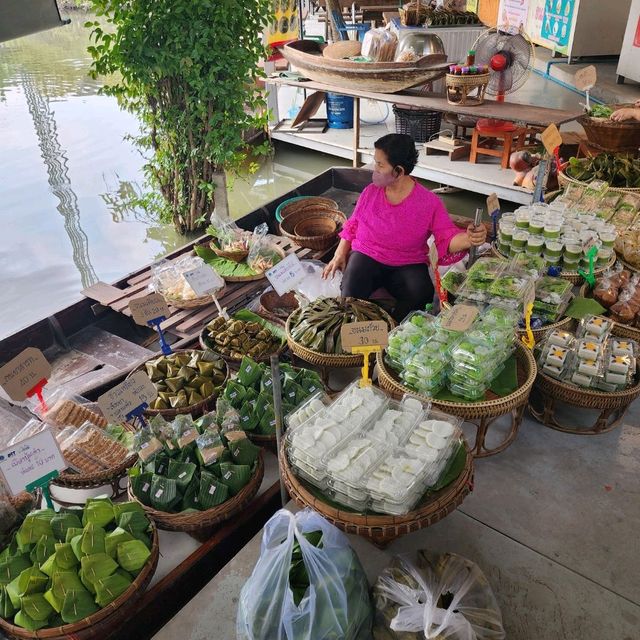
(286, 275)
(21, 374)
(365, 334)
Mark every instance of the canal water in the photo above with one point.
(67, 174)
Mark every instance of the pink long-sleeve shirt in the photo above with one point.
(397, 234)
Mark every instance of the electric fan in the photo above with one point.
(509, 57)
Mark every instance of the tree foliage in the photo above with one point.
(188, 70)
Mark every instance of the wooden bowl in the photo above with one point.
(316, 226)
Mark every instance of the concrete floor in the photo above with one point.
(553, 521)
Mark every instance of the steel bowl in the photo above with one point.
(423, 43)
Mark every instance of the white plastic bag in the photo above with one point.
(336, 605)
(445, 597)
(314, 287)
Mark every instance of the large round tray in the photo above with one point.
(571, 276)
(320, 359)
(383, 529)
(622, 330)
(104, 622)
(195, 410)
(196, 520)
(612, 406)
(483, 413)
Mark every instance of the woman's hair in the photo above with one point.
(400, 150)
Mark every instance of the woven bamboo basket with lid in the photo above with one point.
(460, 89)
(483, 413)
(196, 520)
(383, 529)
(105, 622)
(196, 410)
(611, 406)
(330, 360)
(622, 330)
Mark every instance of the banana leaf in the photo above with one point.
(188, 454)
(24, 621)
(249, 372)
(31, 580)
(190, 499)
(62, 583)
(77, 605)
(44, 548)
(12, 567)
(55, 603)
(133, 522)
(249, 417)
(92, 540)
(32, 529)
(94, 567)
(249, 316)
(65, 558)
(132, 556)
(235, 476)
(75, 545)
(182, 473)
(141, 487)
(114, 538)
(51, 566)
(13, 591)
(73, 532)
(62, 522)
(36, 607)
(212, 492)
(7, 610)
(234, 392)
(164, 493)
(98, 511)
(126, 507)
(244, 451)
(110, 588)
(267, 425)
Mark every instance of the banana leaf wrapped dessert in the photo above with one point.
(185, 378)
(236, 338)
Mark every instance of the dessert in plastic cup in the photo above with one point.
(536, 225)
(522, 220)
(607, 238)
(552, 260)
(553, 248)
(551, 231)
(519, 240)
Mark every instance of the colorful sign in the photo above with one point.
(512, 15)
(557, 23)
(285, 26)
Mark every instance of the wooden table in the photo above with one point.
(509, 111)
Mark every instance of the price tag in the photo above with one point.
(551, 139)
(493, 204)
(29, 460)
(460, 318)
(24, 372)
(126, 397)
(286, 275)
(148, 308)
(374, 333)
(586, 78)
(203, 280)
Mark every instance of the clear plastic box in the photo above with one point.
(414, 330)
(307, 409)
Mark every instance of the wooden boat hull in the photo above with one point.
(383, 77)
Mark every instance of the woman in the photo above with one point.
(628, 113)
(384, 242)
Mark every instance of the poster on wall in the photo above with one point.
(512, 15)
(285, 26)
(551, 23)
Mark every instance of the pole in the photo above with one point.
(356, 132)
(277, 409)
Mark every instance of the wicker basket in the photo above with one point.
(278, 307)
(482, 413)
(104, 622)
(203, 340)
(420, 124)
(466, 90)
(628, 266)
(303, 202)
(414, 14)
(317, 358)
(565, 179)
(383, 529)
(623, 330)
(611, 136)
(195, 410)
(235, 256)
(612, 406)
(289, 225)
(178, 303)
(196, 520)
(317, 226)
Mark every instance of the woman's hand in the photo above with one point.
(629, 113)
(476, 235)
(338, 263)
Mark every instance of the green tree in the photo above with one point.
(188, 70)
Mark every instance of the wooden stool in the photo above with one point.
(486, 135)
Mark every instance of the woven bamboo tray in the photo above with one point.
(383, 529)
(257, 276)
(564, 180)
(196, 520)
(612, 406)
(104, 622)
(331, 360)
(572, 276)
(622, 330)
(483, 413)
(196, 410)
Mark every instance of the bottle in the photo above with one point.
(471, 57)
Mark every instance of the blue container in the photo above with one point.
(339, 111)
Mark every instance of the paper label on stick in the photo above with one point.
(29, 460)
(148, 308)
(460, 318)
(127, 396)
(374, 333)
(203, 280)
(551, 139)
(585, 78)
(21, 374)
(286, 275)
(493, 204)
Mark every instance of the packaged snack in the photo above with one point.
(379, 45)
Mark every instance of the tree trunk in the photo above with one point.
(221, 209)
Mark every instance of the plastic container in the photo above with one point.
(553, 248)
(520, 239)
(522, 220)
(551, 231)
(535, 245)
(313, 405)
(552, 260)
(573, 251)
(536, 225)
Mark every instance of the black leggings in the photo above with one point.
(410, 285)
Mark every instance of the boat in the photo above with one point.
(382, 77)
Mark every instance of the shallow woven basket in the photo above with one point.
(195, 520)
(195, 410)
(459, 87)
(320, 359)
(104, 622)
(257, 276)
(236, 256)
(317, 242)
(202, 339)
(316, 226)
(572, 276)
(623, 330)
(609, 135)
(202, 301)
(383, 529)
(303, 202)
(492, 406)
(270, 301)
(564, 180)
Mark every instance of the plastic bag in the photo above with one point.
(379, 45)
(262, 255)
(336, 603)
(168, 278)
(229, 236)
(314, 287)
(445, 597)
